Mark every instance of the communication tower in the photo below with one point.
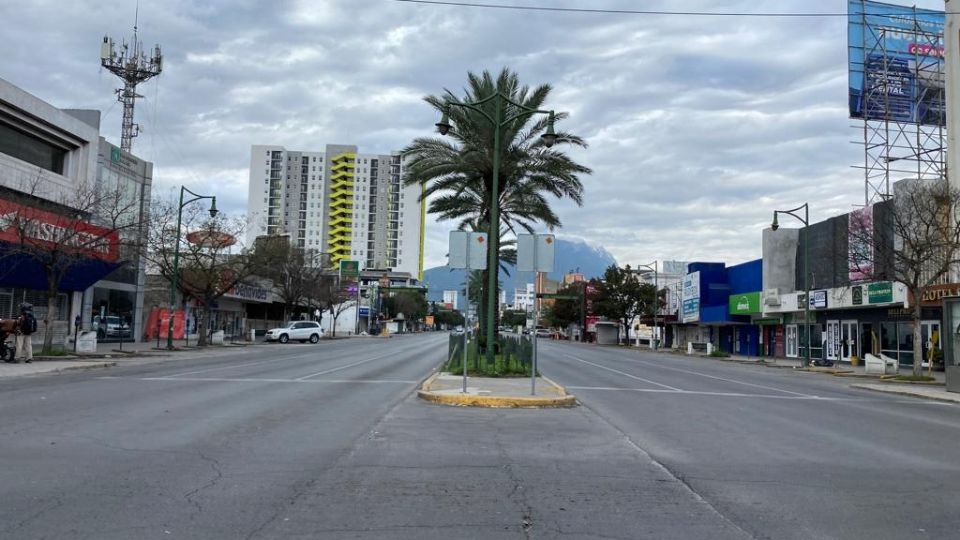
(132, 65)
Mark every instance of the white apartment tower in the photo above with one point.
(351, 206)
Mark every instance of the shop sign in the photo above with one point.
(880, 293)
(691, 298)
(818, 299)
(745, 304)
(857, 295)
(47, 230)
(934, 294)
(349, 269)
(244, 291)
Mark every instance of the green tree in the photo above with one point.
(514, 318)
(458, 172)
(620, 296)
(563, 312)
(448, 317)
(413, 305)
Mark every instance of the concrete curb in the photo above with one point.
(907, 393)
(497, 402)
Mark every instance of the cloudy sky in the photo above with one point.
(698, 126)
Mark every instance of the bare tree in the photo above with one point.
(913, 239)
(339, 300)
(295, 271)
(58, 231)
(210, 263)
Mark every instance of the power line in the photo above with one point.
(650, 12)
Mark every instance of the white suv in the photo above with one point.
(301, 331)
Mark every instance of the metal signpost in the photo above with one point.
(535, 253)
(467, 252)
(348, 270)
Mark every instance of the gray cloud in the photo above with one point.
(698, 127)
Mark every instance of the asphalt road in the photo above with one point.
(329, 441)
(781, 454)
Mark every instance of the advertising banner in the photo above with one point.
(896, 62)
(47, 230)
(690, 303)
(860, 244)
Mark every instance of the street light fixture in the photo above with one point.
(652, 267)
(176, 253)
(499, 120)
(806, 274)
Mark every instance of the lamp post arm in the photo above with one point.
(473, 107)
(793, 212)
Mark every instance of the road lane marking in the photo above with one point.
(775, 389)
(258, 362)
(648, 381)
(324, 372)
(228, 379)
(708, 393)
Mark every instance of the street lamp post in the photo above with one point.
(806, 274)
(176, 253)
(499, 120)
(656, 301)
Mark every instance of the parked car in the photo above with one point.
(301, 331)
(111, 327)
(544, 332)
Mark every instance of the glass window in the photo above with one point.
(888, 336)
(905, 331)
(33, 150)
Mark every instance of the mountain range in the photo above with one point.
(571, 256)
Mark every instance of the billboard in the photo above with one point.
(896, 64)
(690, 307)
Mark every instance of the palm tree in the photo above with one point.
(458, 172)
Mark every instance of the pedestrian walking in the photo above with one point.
(26, 326)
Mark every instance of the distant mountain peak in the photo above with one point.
(573, 254)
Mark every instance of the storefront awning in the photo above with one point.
(26, 271)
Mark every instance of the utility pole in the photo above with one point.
(133, 67)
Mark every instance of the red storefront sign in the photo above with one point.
(40, 228)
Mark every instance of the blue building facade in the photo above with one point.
(716, 283)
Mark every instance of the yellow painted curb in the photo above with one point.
(496, 402)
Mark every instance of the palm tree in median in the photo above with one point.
(458, 172)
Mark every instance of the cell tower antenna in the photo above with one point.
(132, 65)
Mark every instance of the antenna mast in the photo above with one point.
(133, 67)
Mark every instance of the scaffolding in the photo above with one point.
(903, 114)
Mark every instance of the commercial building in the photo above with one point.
(51, 168)
(337, 201)
(451, 299)
(120, 294)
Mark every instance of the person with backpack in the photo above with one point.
(26, 326)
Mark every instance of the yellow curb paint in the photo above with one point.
(497, 402)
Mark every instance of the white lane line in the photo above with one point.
(317, 381)
(648, 381)
(324, 372)
(258, 362)
(775, 389)
(720, 394)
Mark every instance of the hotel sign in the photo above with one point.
(934, 294)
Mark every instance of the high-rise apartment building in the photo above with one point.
(348, 205)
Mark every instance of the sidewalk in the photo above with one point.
(936, 393)
(107, 355)
(795, 363)
(447, 389)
